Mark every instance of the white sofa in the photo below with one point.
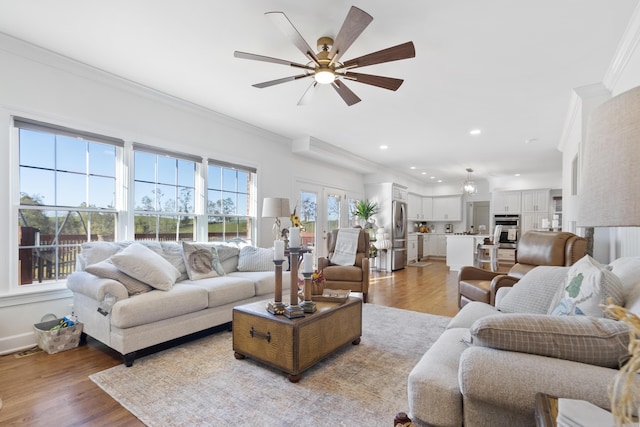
(483, 373)
(140, 320)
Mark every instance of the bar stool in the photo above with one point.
(488, 253)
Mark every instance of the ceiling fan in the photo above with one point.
(325, 66)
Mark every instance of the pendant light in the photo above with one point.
(469, 187)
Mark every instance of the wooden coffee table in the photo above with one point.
(294, 345)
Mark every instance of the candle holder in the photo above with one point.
(294, 310)
(277, 306)
(307, 305)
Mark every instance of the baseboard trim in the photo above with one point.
(15, 343)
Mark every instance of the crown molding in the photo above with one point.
(314, 148)
(626, 47)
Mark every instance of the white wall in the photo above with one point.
(44, 86)
(622, 75)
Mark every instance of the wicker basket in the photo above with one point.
(58, 340)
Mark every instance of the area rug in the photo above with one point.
(201, 383)
(419, 264)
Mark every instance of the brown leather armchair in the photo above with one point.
(534, 248)
(353, 277)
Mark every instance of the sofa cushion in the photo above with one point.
(596, 341)
(469, 313)
(201, 261)
(256, 259)
(158, 305)
(264, 281)
(94, 252)
(106, 270)
(147, 266)
(588, 286)
(535, 292)
(225, 289)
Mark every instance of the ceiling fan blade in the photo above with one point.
(395, 53)
(253, 56)
(282, 22)
(354, 24)
(308, 94)
(345, 93)
(379, 81)
(278, 81)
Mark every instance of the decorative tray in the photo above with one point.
(332, 295)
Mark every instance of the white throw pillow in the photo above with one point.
(147, 266)
(589, 284)
(628, 270)
(106, 270)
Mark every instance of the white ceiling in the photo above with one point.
(504, 66)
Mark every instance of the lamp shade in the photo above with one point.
(275, 207)
(609, 193)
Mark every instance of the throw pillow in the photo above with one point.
(588, 286)
(147, 266)
(201, 260)
(106, 270)
(535, 292)
(596, 341)
(628, 270)
(256, 259)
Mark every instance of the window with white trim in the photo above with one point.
(164, 194)
(230, 202)
(67, 197)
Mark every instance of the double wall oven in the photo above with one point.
(510, 230)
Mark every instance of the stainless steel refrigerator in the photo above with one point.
(399, 235)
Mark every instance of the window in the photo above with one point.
(67, 197)
(230, 202)
(164, 193)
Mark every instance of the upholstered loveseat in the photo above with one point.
(133, 295)
(490, 362)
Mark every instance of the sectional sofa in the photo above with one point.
(133, 295)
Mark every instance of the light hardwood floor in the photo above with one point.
(54, 390)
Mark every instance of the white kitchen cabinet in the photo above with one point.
(427, 208)
(400, 193)
(506, 202)
(414, 207)
(532, 221)
(447, 208)
(426, 245)
(437, 245)
(536, 201)
(412, 248)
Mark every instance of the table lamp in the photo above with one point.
(276, 207)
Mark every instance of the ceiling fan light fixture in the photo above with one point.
(324, 76)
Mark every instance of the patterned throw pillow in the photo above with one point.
(596, 341)
(589, 284)
(535, 292)
(106, 270)
(201, 260)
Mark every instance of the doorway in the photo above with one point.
(478, 215)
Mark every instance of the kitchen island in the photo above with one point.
(461, 249)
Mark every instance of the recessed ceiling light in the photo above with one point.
(475, 132)
(424, 173)
(439, 180)
(384, 147)
(517, 174)
(432, 177)
(412, 168)
(530, 140)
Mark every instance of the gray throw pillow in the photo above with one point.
(596, 341)
(106, 270)
(256, 259)
(535, 292)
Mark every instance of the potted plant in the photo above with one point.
(365, 209)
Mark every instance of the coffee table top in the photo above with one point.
(259, 309)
